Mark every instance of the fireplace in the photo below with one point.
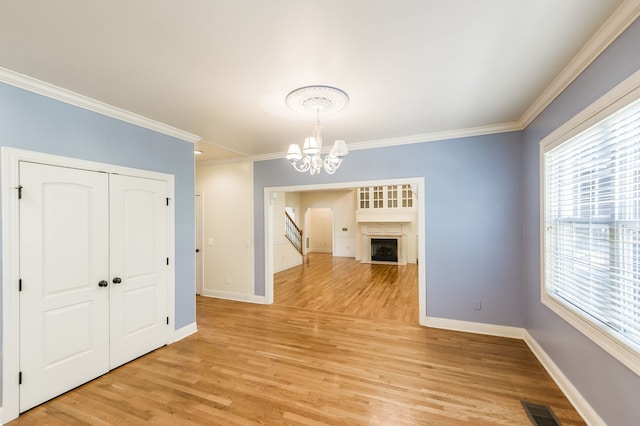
(384, 242)
(384, 249)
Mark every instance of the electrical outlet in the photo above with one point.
(477, 305)
(227, 279)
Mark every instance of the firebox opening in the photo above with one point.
(384, 249)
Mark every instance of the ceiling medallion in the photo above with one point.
(314, 100)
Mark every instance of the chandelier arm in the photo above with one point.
(302, 167)
(331, 164)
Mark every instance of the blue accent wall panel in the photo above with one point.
(609, 387)
(473, 218)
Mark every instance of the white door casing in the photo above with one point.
(199, 244)
(64, 313)
(11, 161)
(139, 261)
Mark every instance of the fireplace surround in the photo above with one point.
(373, 232)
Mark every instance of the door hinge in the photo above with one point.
(167, 320)
(20, 378)
(20, 284)
(168, 200)
(19, 188)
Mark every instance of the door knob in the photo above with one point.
(103, 283)
(117, 280)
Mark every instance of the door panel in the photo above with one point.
(139, 249)
(64, 249)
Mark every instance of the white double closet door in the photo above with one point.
(93, 255)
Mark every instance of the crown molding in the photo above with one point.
(46, 89)
(383, 143)
(619, 21)
(437, 136)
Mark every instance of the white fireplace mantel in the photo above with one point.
(385, 215)
(390, 230)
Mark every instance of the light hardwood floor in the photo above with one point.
(344, 285)
(287, 365)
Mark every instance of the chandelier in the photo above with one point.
(316, 99)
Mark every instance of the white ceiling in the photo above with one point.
(220, 69)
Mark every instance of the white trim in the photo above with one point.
(615, 25)
(202, 251)
(290, 265)
(581, 405)
(185, 331)
(329, 251)
(9, 172)
(10, 296)
(252, 252)
(49, 90)
(418, 183)
(436, 136)
(621, 95)
(238, 297)
(171, 252)
(475, 327)
(268, 200)
(381, 143)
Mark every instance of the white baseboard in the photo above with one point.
(185, 331)
(238, 297)
(475, 327)
(581, 405)
(579, 402)
(287, 266)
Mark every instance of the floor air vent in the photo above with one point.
(540, 415)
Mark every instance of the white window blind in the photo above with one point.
(592, 225)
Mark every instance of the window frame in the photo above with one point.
(622, 95)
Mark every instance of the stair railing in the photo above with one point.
(293, 233)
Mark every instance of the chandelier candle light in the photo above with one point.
(316, 99)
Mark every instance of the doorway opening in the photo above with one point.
(419, 291)
(318, 230)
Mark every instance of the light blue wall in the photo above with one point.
(37, 123)
(473, 218)
(610, 388)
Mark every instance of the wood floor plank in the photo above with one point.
(342, 285)
(335, 364)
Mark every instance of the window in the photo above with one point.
(364, 197)
(392, 197)
(591, 230)
(378, 194)
(407, 196)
